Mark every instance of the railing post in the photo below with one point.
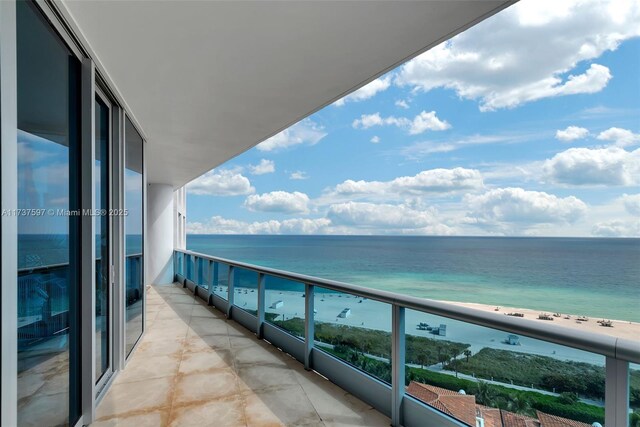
(616, 395)
(196, 272)
(211, 267)
(309, 331)
(187, 268)
(230, 291)
(261, 285)
(397, 364)
(183, 260)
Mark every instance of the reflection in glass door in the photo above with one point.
(134, 241)
(103, 334)
(48, 258)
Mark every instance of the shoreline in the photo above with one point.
(619, 328)
(370, 314)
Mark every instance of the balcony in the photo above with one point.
(194, 366)
(227, 341)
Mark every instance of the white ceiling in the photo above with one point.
(207, 80)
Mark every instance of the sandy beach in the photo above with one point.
(365, 313)
(619, 328)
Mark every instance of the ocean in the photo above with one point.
(583, 276)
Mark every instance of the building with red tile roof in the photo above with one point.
(463, 407)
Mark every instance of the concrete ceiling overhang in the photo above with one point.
(208, 80)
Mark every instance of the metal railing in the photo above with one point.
(199, 272)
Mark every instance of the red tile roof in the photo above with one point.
(464, 408)
(460, 406)
(547, 420)
(491, 416)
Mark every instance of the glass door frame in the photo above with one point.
(101, 379)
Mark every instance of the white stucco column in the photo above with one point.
(160, 233)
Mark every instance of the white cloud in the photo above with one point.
(304, 226)
(419, 124)
(386, 218)
(375, 139)
(424, 148)
(425, 182)
(631, 203)
(367, 91)
(298, 175)
(527, 52)
(620, 137)
(304, 132)
(427, 121)
(514, 209)
(221, 183)
(265, 166)
(572, 133)
(220, 225)
(279, 201)
(616, 228)
(367, 121)
(401, 103)
(586, 166)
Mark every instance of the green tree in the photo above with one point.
(467, 354)
(519, 404)
(485, 394)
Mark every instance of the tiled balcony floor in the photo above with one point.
(195, 368)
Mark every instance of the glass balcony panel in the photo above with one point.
(245, 283)
(634, 395)
(221, 280)
(492, 373)
(188, 265)
(285, 305)
(202, 279)
(355, 330)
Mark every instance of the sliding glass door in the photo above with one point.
(48, 227)
(80, 168)
(102, 223)
(134, 236)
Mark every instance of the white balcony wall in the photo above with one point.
(160, 233)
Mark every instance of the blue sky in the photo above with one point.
(526, 124)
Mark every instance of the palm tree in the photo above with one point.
(519, 404)
(467, 354)
(484, 393)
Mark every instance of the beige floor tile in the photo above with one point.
(265, 377)
(148, 368)
(149, 348)
(204, 386)
(289, 404)
(215, 413)
(197, 343)
(202, 311)
(205, 361)
(136, 397)
(151, 419)
(249, 354)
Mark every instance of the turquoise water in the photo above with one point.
(594, 277)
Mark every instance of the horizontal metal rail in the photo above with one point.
(606, 345)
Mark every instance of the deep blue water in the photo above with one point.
(595, 277)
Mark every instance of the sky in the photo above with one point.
(527, 124)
